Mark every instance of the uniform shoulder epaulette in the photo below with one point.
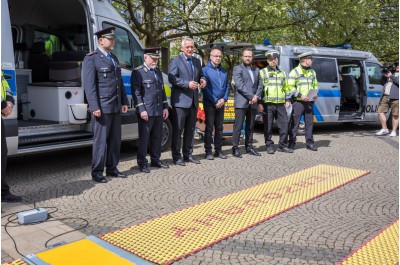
(139, 67)
(91, 53)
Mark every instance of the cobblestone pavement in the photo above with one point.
(322, 231)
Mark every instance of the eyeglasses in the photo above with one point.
(217, 56)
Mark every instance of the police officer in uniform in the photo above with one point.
(151, 107)
(274, 101)
(105, 93)
(302, 79)
(7, 104)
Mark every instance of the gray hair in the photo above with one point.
(186, 39)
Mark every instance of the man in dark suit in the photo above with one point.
(248, 90)
(105, 93)
(151, 107)
(186, 77)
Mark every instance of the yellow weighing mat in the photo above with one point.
(90, 250)
(173, 236)
(383, 249)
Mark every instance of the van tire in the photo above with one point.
(166, 135)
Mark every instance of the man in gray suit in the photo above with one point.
(107, 98)
(248, 90)
(186, 77)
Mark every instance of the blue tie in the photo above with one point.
(190, 65)
(154, 73)
(109, 57)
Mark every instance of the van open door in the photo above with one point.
(373, 89)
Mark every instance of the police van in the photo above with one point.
(348, 80)
(43, 43)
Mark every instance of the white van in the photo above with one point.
(349, 80)
(43, 43)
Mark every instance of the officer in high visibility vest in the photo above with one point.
(302, 79)
(7, 104)
(275, 98)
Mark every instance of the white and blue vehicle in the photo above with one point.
(349, 80)
(43, 43)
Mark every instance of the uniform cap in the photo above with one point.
(306, 55)
(152, 52)
(272, 54)
(106, 33)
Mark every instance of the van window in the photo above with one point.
(324, 68)
(125, 45)
(51, 42)
(374, 73)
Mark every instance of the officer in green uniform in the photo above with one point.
(7, 104)
(302, 79)
(275, 98)
(151, 108)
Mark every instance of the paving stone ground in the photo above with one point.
(322, 231)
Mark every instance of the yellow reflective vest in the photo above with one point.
(302, 81)
(5, 89)
(275, 85)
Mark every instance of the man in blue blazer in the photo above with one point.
(248, 89)
(186, 77)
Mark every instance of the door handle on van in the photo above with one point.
(371, 87)
(334, 86)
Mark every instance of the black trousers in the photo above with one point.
(183, 121)
(278, 112)
(240, 115)
(149, 132)
(106, 142)
(5, 189)
(214, 119)
(300, 108)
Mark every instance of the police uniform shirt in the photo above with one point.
(103, 84)
(148, 91)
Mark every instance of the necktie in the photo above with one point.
(190, 62)
(109, 57)
(154, 73)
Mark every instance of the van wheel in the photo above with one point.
(166, 135)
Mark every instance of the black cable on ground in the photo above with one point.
(14, 221)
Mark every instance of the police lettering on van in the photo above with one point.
(348, 80)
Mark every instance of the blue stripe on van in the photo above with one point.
(126, 79)
(11, 82)
(329, 93)
(374, 94)
(317, 114)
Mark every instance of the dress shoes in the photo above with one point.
(236, 153)
(285, 149)
(291, 145)
(159, 164)
(115, 174)
(220, 155)
(144, 169)
(270, 150)
(99, 178)
(209, 157)
(311, 147)
(179, 162)
(192, 159)
(10, 198)
(253, 152)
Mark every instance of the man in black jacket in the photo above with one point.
(390, 99)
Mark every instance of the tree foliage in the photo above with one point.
(370, 25)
